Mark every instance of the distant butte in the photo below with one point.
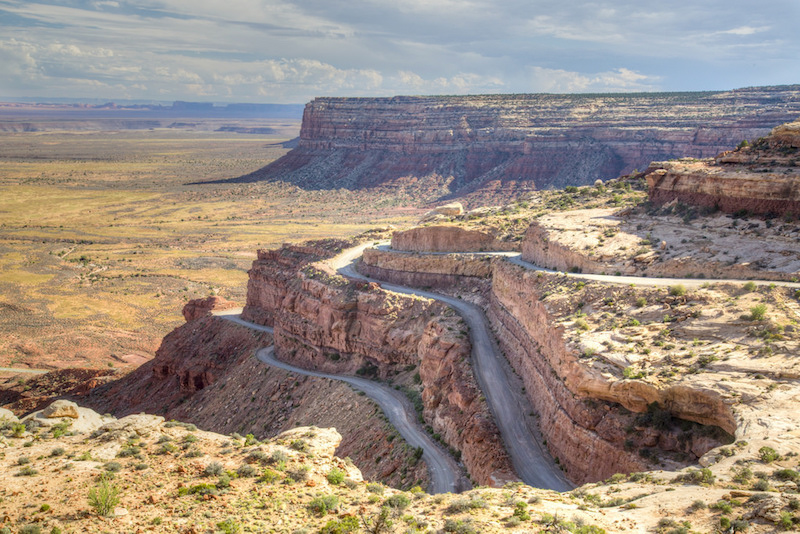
(489, 148)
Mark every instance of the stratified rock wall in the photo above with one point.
(588, 438)
(324, 322)
(507, 144)
(763, 178)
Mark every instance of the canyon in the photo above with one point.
(492, 148)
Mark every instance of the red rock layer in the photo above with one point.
(588, 437)
(762, 178)
(443, 238)
(485, 145)
(324, 322)
(580, 414)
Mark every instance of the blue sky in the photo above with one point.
(289, 51)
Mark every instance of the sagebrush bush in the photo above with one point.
(104, 497)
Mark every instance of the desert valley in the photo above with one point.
(467, 314)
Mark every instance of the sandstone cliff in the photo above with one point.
(584, 410)
(322, 321)
(503, 144)
(762, 178)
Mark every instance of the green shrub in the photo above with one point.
(750, 286)
(677, 290)
(299, 445)
(323, 504)
(341, 526)
(27, 471)
(335, 476)
(786, 474)
(104, 497)
(31, 529)
(459, 527)
(229, 526)
(375, 488)
(758, 312)
(58, 451)
(398, 502)
(786, 521)
(268, 476)
(113, 467)
(464, 504)
(641, 302)
(246, 471)
(213, 469)
(702, 476)
(768, 454)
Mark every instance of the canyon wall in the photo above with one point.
(325, 322)
(493, 146)
(424, 270)
(762, 178)
(584, 416)
(444, 238)
(579, 427)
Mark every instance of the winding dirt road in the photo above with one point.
(530, 459)
(509, 407)
(445, 472)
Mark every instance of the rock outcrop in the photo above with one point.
(762, 178)
(584, 413)
(503, 144)
(444, 238)
(194, 309)
(322, 321)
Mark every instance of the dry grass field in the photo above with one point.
(102, 240)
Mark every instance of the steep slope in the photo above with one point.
(205, 373)
(493, 146)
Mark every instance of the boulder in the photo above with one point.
(450, 210)
(61, 408)
(85, 422)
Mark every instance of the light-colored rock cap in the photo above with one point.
(451, 209)
(7, 416)
(61, 408)
(82, 420)
(320, 441)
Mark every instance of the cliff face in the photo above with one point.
(762, 178)
(324, 322)
(502, 144)
(584, 411)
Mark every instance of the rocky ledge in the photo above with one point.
(759, 178)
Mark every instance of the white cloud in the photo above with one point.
(563, 81)
(745, 30)
(293, 50)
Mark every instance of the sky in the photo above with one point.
(290, 51)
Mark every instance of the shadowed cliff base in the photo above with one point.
(489, 148)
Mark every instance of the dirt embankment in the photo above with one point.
(205, 373)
